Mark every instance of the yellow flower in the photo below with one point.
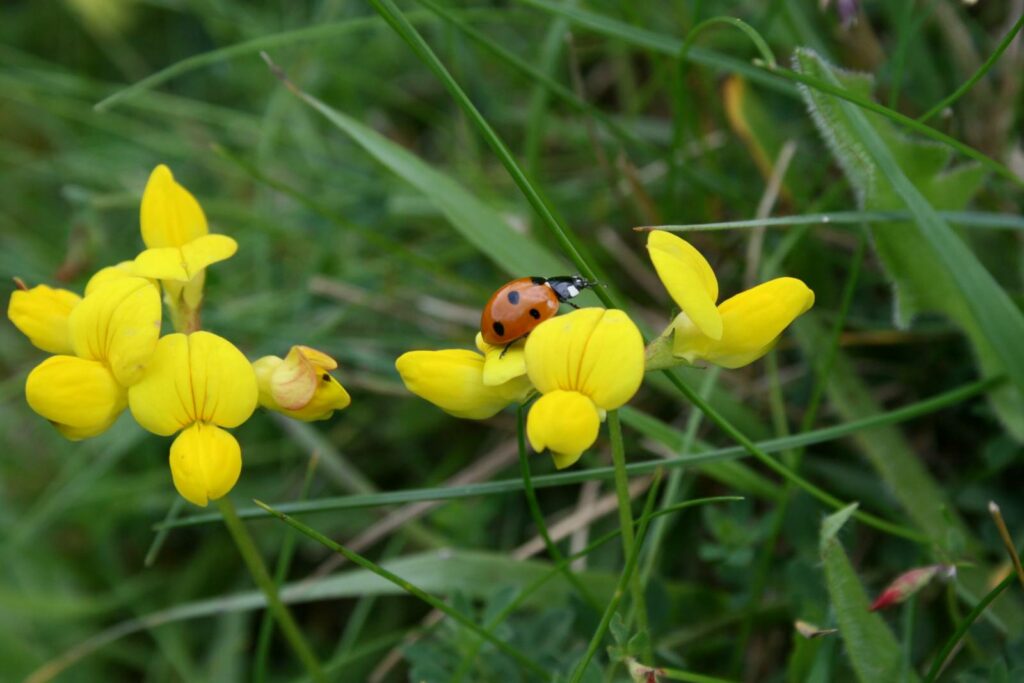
(42, 313)
(453, 380)
(502, 363)
(170, 216)
(180, 247)
(584, 363)
(300, 385)
(733, 334)
(752, 322)
(197, 384)
(112, 333)
(80, 397)
(118, 323)
(109, 274)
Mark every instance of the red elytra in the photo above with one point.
(520, 305)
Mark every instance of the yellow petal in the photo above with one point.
(170, 215)
(42, 313)
(566, 423)
(294, 381)
(327, 396)
(194, 378)
(612, 366)
(205, 463)
(752, 321)
(184, 263)
(502, 363)
(453, 381)
(110, 273)
(555, 348)
(688, 278)
(81, 397)
(204, 251)
(118, 323)
(597, 352)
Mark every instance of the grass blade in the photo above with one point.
(673, 439)
(415, 591)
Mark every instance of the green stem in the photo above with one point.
(571, 246)
(764, 562)
(626, 521)
(678, 675)
(962, 628)
(538, 515)
(978, 75)
(537, 583)
(827, 434)
(415, 591)
(284, 561)
(161, 535)
(620, 588)
(251, 556)
(785, 472)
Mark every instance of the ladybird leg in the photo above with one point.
(505, 350)
(572, 304)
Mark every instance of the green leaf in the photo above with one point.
(930, 265)
(872, 648)
(478, 223)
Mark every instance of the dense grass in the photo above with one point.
(420, 155)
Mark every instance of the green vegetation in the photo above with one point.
(384, 166)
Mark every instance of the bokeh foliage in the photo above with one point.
(381, 222)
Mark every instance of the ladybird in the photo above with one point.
(520, 305)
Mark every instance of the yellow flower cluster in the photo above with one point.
(109, 353)
(593, 360)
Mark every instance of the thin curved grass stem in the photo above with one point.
(251, 556)
(538, 514)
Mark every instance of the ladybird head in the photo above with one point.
(569, 287)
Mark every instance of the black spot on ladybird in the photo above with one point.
(535, 314)
(499, 329)
(513, 298)
(538, 280)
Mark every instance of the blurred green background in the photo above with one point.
(364, 260)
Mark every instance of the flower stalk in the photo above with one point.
(626, 519)
(247, 549)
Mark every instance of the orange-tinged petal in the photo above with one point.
(205, 463)
(80, 397)
(688, 277)
(170, 216)
(566, 423)
(42, 315)
(329, 395)
(118, 323)
(294, 380)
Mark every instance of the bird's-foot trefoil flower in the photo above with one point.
(465, 383)
(731, 334)
(103, 341)
(179, 246)
(197, 384)
(300, 385)
(41, 314)
(584, 363)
